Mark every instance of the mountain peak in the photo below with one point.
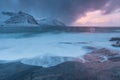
(20, 18)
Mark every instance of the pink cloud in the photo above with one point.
(96, 18)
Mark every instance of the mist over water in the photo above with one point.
(20, 45)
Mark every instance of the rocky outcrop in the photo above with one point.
(97, 56)
(115, 39)
(12, 68)
(66, 71)
(101, 55)
(114, 58)
(93, 69)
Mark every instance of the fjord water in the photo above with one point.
(68, 44)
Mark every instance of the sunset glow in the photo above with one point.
(97, 18)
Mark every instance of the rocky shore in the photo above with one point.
(101, 64)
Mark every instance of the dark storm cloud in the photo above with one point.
(111, 6)
(66, 10)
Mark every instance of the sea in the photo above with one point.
(27, 42)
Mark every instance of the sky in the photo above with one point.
(71, 12)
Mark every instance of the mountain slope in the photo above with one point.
(20, 18)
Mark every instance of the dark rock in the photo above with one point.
(115, 39)
(89, 48)
(110, 74)
(115, 58)
(104, 51)
(10, 69)
(73, 43)
(64, 71)
(66, 43)
(9, 13)
(117, 44)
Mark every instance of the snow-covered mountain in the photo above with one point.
(50, 22)
(47, 61)
(20, 18)
(25, 19)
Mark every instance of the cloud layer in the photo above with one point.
(66, 10)
(95, 18)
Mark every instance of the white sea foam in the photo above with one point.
(17, 46)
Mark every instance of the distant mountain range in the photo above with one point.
(25, 19)
(20, 18)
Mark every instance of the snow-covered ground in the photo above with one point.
(17, 46)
